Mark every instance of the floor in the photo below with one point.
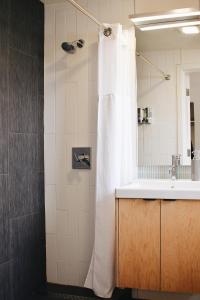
(60, 297)
(57, 292)
(67, 297)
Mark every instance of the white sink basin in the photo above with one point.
(160, 189)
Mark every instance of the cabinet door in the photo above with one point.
(180, 246)
(139, 244)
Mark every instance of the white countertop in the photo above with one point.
(160, 189)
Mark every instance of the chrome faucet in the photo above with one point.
(176, 159)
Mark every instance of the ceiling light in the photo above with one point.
(178, 13)
(173, 19)
(190, 30)
(169, 25)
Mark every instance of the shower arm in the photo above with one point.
(108, 32)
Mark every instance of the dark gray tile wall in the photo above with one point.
(4, 87)
(22, 223)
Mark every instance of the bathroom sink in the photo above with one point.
(160, 189)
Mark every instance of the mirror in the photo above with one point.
(168, 110)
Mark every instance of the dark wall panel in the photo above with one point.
(4, 87)
(23, 92)
(5, 281)
(22, 221)
(26, 26)
(4, 220)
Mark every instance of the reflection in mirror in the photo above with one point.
(174, 104)
(195, 110)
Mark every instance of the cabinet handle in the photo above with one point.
(149, 199)
(169, 199)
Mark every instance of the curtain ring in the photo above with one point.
(107, 31)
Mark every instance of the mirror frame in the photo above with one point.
(183, 112)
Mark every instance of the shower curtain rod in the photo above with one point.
(165, 75)
(108, 32)
(85, 12)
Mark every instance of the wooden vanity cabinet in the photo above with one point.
(158, 245)
(138, 244)
(180, 246)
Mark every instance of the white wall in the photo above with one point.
(70, 120)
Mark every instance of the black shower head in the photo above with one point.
(68, 47)
(71, 47)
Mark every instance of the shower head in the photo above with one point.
(68, 47)
(71, 47)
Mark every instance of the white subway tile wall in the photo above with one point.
(71, 100)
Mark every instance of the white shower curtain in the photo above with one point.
(116, 148)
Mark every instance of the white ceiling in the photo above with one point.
(166, 39)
